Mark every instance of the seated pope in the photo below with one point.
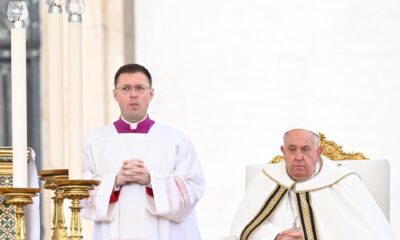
(308, 197)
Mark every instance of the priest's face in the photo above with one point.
(133, 94)
(301, 152)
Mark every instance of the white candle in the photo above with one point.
(75, 97)
(56, 88)
(17, 13)
(19, 117)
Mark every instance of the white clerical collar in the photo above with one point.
(327, 174)
(133, 126)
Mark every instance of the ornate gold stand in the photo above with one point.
(76, 190)
(19, 197)
(50, 177)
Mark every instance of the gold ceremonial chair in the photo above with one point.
(375, 174)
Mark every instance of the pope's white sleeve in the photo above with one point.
(230, 238)
(266, 231)
(355, 207)
(176, 194)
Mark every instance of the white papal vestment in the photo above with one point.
(333, 205)
(176, 177)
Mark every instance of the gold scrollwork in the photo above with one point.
(332, 151)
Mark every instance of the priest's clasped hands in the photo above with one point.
(133, 171)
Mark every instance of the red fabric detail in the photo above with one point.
(149, 191)
(114, 196)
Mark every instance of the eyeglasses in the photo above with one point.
(126, 89)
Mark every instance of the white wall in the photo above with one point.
(233, 74)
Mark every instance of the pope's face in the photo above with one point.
(301, 153)
(134, 102)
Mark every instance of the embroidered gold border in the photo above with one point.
(329, 185)
(265, 212)
(309, 190)
(276, 181)
(307, 216)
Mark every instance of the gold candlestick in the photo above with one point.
(50, 177)
(76, 190)
(19, 197)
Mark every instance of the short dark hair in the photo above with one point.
(132, 68)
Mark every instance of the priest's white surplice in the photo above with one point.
(340, 206)
(32, 211)
(177, 184)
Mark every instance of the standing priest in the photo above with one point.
(151, 178)
(308, 197)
